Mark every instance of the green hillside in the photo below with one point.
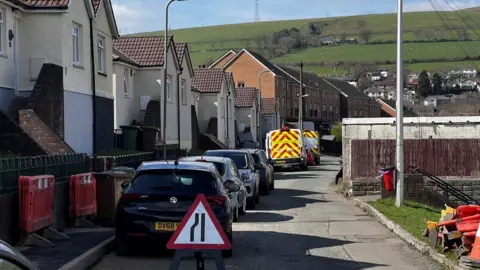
(208, 43)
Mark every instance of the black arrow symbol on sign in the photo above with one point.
(198, 218)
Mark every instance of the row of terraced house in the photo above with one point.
(69, 82)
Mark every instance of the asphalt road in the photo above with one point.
(303, 224)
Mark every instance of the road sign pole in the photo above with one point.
(200, 261)
(183, 253)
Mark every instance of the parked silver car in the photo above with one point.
(229, 172)
(249, 171)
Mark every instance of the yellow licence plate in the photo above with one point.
(281, 161)
(166, 226)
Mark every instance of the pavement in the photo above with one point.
(303, 224)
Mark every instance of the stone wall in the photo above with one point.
(418, 188)
(362, 187)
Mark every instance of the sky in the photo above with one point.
(149, 15)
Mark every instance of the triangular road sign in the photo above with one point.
(199, 229)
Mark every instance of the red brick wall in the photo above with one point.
(44, 136)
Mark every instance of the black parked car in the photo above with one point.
(12, 259)
(249, 171)
(156, 200)
(267, 173)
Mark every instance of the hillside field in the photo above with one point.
(206, 44)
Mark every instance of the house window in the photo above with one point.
(125, 82)
(76, 37)
(183, 91)
(101, 54)
(330, 110)
(241, 84)
(2, 30)
(355, 113)
(324, 110)
(361, 113)
(169, 89)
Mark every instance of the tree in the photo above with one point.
(312, 28)
(343, 37)
(437, 83)
(464, 35)
(337, 131)
(423, 84)
(364, 83)
(366, 35)
(286, 44)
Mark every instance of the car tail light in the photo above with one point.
(217, 199)
(130, 197)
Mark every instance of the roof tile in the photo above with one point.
(245, 97)
(145, 51)
(43, 3)
(208, 80)
(181, 49)
(268, 106)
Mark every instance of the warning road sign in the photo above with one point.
(199, 229)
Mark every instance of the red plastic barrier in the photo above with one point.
(36, 202)
(83, 195)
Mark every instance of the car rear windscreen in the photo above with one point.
(160, 181)
(220, 167)
(240, 159)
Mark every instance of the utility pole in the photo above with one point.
(301, 103)
(399, 119)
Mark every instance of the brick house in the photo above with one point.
(67, 44)
(281, 84)
(216, 104)
(220, 62)
(138, 66)
(353, 102)
(246, 110)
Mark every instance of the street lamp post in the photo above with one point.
(300, 111)
(259, 113)
(399, 108)
(165, 61)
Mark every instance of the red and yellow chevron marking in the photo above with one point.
(313, 135)
(285, 144)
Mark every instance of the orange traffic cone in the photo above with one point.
(473, 260)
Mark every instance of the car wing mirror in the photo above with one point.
(232, 187)
(125, 184)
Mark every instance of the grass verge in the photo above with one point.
(410, 216)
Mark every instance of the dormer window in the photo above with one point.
(241, 84)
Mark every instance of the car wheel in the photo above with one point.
(122, 247)
(257, 198)
(251, 203)
(235, 214)
(243, 210)
(265, 190)
(229, 252)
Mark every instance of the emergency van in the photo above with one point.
(312, 142)
(285, 148)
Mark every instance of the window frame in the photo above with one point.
(76, 45)
(101, 64)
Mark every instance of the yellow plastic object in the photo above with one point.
(431, 224)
